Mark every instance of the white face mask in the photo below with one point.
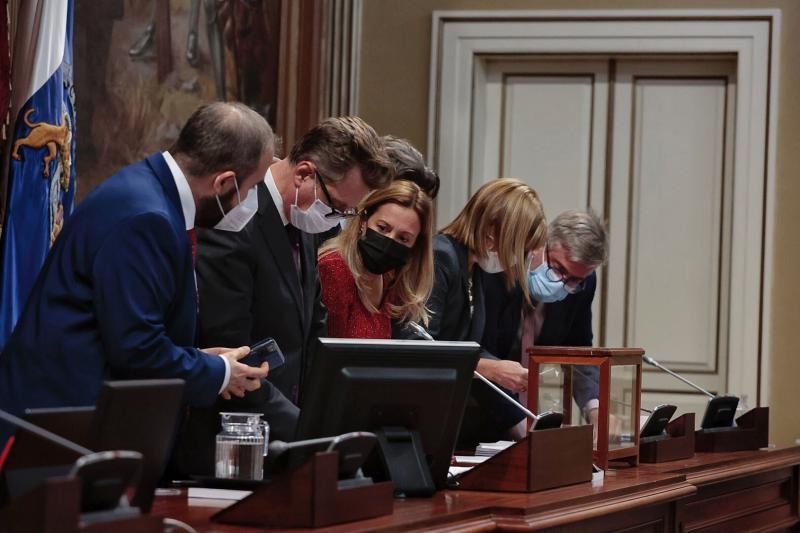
(313, 219)
(491, 263)
(238, 217)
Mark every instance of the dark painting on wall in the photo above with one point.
(219, 50)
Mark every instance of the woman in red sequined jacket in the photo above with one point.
(380, 268)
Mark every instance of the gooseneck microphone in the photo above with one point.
(720, 411)
(653, 362)
(43, 433)
(278, 447)
(422, 332)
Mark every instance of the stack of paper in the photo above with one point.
(488, 449)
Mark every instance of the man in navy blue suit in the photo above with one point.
(116, 297)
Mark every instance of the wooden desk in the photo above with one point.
(721, 492)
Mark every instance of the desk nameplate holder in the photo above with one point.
(544, 459)
(309, 496)
(750, 433)
(54, 507)
(678, 444)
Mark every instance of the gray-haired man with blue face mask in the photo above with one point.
(562, 284)
(562, 281)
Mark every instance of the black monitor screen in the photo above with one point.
(372, 385)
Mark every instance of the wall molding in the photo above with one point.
(461, 38)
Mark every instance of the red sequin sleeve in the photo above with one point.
(339, 292)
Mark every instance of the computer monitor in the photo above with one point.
(32, 458)
(137, 415)
(411, 394)
(143, 416)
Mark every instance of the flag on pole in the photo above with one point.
(5, 71)
(41, 177)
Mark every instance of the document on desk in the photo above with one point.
(470, 460)
(458, 470)
(489, 449)
(226, 496)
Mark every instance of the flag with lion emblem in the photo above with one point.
(41, 176)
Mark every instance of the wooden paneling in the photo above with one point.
(710, 492)
(547, 131)
(676, 218)
(299, 69)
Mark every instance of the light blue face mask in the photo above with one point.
(542, 288)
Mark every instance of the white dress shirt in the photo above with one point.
(188, 207)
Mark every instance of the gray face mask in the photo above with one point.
(238, 217)
(491, 263)
(313, 219)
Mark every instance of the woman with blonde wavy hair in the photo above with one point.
(380, 267)
(498, 230)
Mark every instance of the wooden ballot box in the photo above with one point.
(555, 372)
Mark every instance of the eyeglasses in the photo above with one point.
(556, 273)
(335, 213)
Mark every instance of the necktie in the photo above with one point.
(192, 233)
(294, 240)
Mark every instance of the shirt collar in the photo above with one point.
(276, 195)
(184, 191)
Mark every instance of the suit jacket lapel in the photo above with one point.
(308, 258)
(159, 167)
(277, 241)
(478, 323)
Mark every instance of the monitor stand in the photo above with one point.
(404, 461)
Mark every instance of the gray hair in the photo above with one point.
(583, 234)
(223, 136)
(410, 165)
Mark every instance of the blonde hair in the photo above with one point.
(509, 211)
(413, 282)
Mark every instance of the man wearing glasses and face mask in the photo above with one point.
(565, 282)
(263, 282)
(562, 282)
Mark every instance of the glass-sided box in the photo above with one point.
(559, 376)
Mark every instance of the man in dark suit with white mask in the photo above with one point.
(263, 282)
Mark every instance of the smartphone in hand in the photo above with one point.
(266, 350)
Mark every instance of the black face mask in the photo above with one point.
(381, 253)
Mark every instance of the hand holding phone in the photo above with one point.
(266, 350)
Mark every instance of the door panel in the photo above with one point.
(666, 126)
(670, 220)
(544, 121)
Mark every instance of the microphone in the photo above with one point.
(278, 447)
(422, 332)
(104, 477)
(419, 330)
(653, 362)
(720, 411)
(631, 407)
(43, 433)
